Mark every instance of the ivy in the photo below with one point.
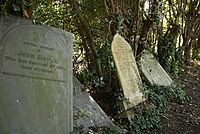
(147, 115)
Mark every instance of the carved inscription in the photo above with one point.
(127, 71)
(153, 71)
(35, 78)
(35, 58)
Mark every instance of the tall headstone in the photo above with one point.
(87, 113)
(35, 78)
(127, 72)
(153, 71)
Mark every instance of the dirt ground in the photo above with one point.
(185, 118)
(182, 118)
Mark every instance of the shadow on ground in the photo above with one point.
(184, 118)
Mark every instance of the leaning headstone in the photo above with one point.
(77, 86)
(35, 78)
(127, 72)
(153, 71)
(87, 113)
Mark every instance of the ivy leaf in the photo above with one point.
(112, 64)
(17, 1)
(16, 8)
(26, 3)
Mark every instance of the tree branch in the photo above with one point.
(87, 36)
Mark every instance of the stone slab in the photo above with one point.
(77, 86)
(127, 72)
(35, 78)
(87, 113)
(153, 71)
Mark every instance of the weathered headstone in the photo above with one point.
(77, 86)
(127, 72)
(153, 71)
(87, 113)
(35, 78)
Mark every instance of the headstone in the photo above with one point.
(127, 72)
(35, 78)
(87, 113)
(153, 71)
(77, 86)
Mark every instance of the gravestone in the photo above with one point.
(127, 72)
(87, 113)
(77, 86)
(35, 78)
(153, 71)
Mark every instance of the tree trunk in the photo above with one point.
(87, 36)
(186, 44)
(145, 29)
(195, 48)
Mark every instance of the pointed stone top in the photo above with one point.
(127, 71)
(118, 38)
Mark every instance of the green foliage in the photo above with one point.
(178, 94)
(89, 79)
(146, 119)
(147, 115)
(100, 130)
(126, 17)
(106, 130)
(169, 55)
(16, 8)
(77, 130)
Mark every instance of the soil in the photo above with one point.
(184, 118)
(181, 118)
